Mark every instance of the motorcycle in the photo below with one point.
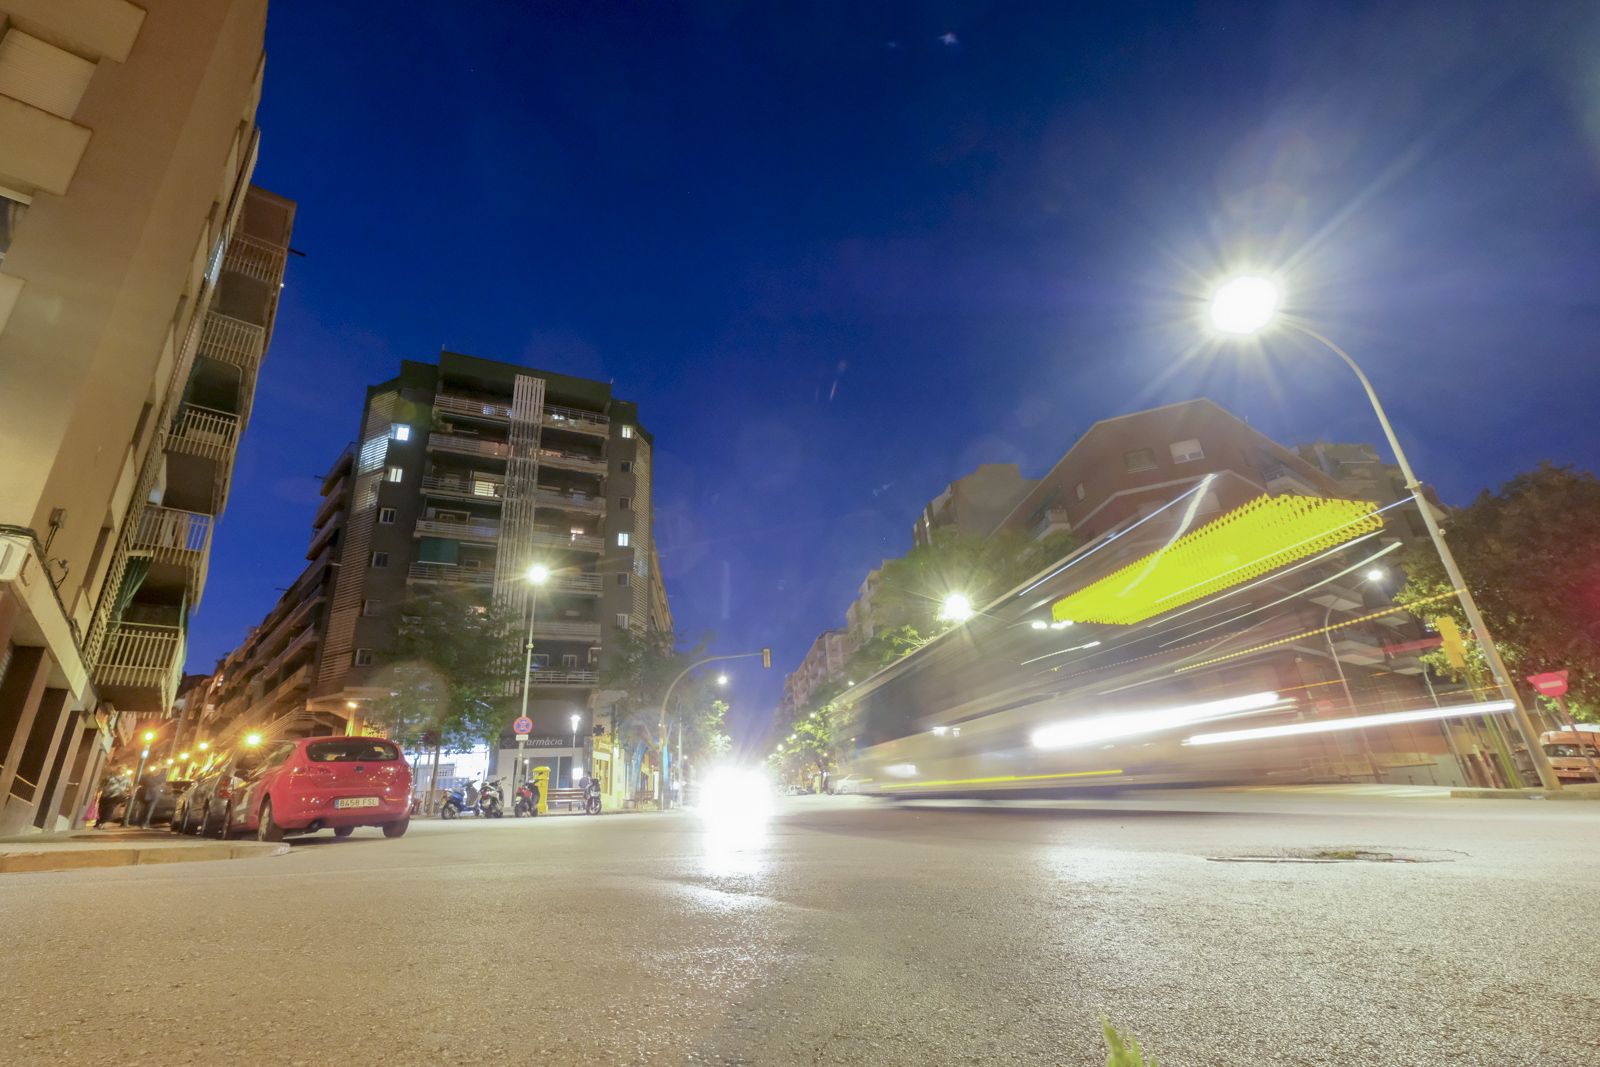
(458, 802)
(526, 802)
(491, 804)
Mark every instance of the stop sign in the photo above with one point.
(1550, 683)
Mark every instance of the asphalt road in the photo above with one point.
(839, 931)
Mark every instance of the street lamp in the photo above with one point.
(537, 575)
(957, 607)
(1248, 304)
(252, 740)
(204, 746)
(1374, 574)
(722, 679)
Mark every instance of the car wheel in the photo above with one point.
(267, 830)
(174, 825)
(343, 831)
(397, 828)
(208, 825)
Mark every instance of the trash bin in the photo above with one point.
(541, 783)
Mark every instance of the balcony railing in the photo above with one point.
(576, 461)
(468, 446)
(255, 258)
(450, 573)
(460, 405)
(589, 584)
(480, 530)
(464, 488)
(556, 538)
(172, 535)
(580, 630)
(204, 432)
(232, 340)
(141, 656)
(561, 418)
(570, 501)
(573, 678)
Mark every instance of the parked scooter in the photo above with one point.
(459, 802)
(526, 802)
(491, 802)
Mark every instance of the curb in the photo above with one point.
(133, 856)
(1569, 793)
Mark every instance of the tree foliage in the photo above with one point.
(1530, 552)
(641, 667)
(454, 663)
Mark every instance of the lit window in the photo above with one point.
(627, 431)
(622, 621)
(380, 559)
(1079, 491)
(399, 432)
(622, 540)
(363, 657)
(395, 474)
(624, 503)
(1186, 451)
(1140, 459)
(386, 516)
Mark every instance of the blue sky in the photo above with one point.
(842, 253)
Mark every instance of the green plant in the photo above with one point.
(1124, 1050)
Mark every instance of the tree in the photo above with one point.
(454, 664)
(1531, 553)
(914, 587)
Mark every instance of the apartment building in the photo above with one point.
(139, 277)
(824, 662)
(1125, 467)
(974, 504)
(466, 473)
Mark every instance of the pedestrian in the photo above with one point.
(113, 791)
(149, 790)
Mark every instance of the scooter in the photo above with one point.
(456, 803)
(491, 804)
(526, 802)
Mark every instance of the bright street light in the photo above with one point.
(1245, 305)
(149, 735)
(722, 679)
(1038, 624)
(575, 719)
(1377, 574)
(252, 739)
(538, 574)
(957, 608)
(204, 746)
(183, 755)
(351, 704)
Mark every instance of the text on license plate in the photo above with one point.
(356, 802)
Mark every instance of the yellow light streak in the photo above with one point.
(1001, 778)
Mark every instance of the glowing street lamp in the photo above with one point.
(537, 575)
(252, 740)
(1248, 304)
(204, 746)
(957, 607)
(722, 679)
(149, 736)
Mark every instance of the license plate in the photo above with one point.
(356, 802)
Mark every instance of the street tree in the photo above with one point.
(1531, 553)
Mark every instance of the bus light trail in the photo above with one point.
(1081, 732)
(1360, 722)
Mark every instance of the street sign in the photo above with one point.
(1550, 683)
(523, 726)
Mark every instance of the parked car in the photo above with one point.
(317, 783)
(165, 803)
(204, 808)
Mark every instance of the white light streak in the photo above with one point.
(1360, 722)
(1091, 731)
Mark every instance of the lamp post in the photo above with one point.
(666, 702)
(1249, 304)
(537, 575)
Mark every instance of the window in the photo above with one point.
(399, 431)
(369, 607)
(622, 579)
(380, 559)
(541, 661)
(395, 474)
(363, 657)
(1079, 492)
(1186, 451)
(622, 621)
(1140, 459)
(622, 540)
(626, 466)
(351, 750)
(569, 662)
(625, 503)
(386, 516)
(627, 431)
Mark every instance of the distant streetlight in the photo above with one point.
(537, 575)
(1248, 304)
(722, 679)
(149, 736)
(204, 746)
(1377, 574)
(252, 740)
(957, 607)
(183, 756)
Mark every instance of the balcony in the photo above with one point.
(589, 505)
(580, 584)
(548, 679)
(330, 502)
(233, 341)
(570, 631)
(560, 418)
(468, 446)
(485, 489)
(296, 682)
(450, 574)
(178, 538)
(554, 537)
(139, 666)
(1281, 479)
(255, 258)
(477, 409)
(482, 530)
(204, 432)
(1052, 521)
(562, 459)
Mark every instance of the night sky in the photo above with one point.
(840, 253)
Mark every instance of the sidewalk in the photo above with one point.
(120, 847)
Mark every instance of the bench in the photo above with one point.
(572, 798)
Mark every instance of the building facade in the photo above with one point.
(975, 504)
(138, 287)
(824, 662)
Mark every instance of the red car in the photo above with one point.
(320, 783)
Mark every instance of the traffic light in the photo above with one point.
(766, 658)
